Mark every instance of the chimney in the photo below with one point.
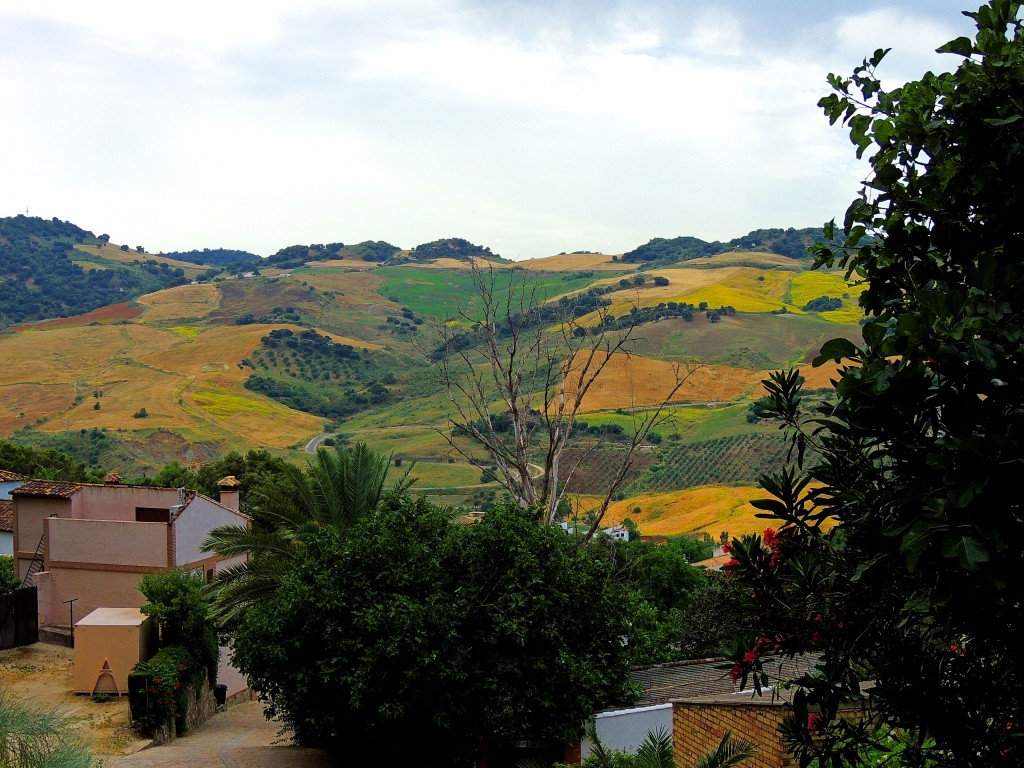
(229, 492)
(112, 479)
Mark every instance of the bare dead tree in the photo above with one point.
(517, 368)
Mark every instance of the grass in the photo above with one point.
(811, 285)
(746, 289)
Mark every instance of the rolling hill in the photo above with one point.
(177, 358)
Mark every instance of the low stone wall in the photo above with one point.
(201, 707)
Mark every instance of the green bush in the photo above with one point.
(160, 698)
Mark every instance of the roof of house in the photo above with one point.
(7, 476)
(47, 488)
(663, 683)
(6, 516)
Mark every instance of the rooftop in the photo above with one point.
(6, 516)
(7, 476)
(47, 488)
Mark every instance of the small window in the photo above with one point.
(209, 574)
(152, 515)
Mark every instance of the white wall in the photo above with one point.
(194, 524)
(624, 729)
(6, 543)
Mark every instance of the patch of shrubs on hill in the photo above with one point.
(451, 248)
(823, 304)
(218, 257)
(39, 279)
(308, 371)
(785, 242)
(373, 250)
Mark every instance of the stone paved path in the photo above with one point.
(239, 737)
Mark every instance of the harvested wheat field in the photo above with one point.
(745, 258)
(711, 509)
(635, 381)
(568, 262)
(42, 675)
(343, 263)
(185, 302)
(22, 404)
(113, 252)
(111, 313)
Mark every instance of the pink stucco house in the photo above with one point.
(90, 543)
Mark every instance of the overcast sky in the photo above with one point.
(530, 127)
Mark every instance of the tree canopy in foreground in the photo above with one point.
(918, 588)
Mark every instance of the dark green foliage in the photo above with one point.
(157, 689)
(713, 617)
(44, 463)
(218, 257)
(918, 587)
(786, 242)
(8, 579)
(427, 637)
(180, 602)
(38, 279)
(823, 304)
(309, 372)
(451, 248)
(672, 250)
(372, 250)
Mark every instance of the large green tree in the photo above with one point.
(918, 587)
(426, 637)
(337, 488)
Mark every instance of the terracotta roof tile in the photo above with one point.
(47, 488)
(7, 476)
(6, 516)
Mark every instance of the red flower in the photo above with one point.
(735, 672)
(749, 657)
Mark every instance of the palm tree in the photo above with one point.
(336, 489)
(729, 752)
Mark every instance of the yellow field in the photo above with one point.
(22, 404)
(748, 257)
(356, 288)
(184, 302)
(181, 383)
(87, 265)
(635, 381)
(710, 509)
(811, 285)
(576, 261)
(745, 290)
(345, 263)
(113, 252)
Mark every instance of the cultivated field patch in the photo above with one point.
(634, 381)
(570, 262)
(810, 285)
(709, 510)
(112, 313)
(750, 258)
(22, 404)
(112, 252)
(183, 302)
(746, 289)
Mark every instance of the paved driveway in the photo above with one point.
(239, 737)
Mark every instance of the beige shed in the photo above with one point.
(108, 643)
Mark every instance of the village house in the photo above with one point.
(85, 546)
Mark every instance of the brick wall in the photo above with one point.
(698, 728)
